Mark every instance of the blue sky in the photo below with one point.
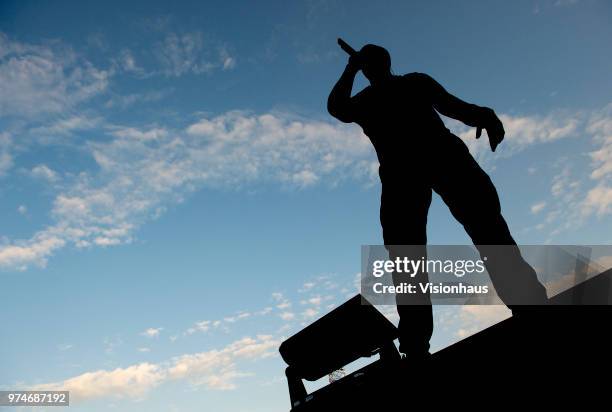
(175, 199)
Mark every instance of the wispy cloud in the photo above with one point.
(123, 101)
(44, 172)
(215, 369)
(49, 78)
(307, 286)
(152, 332)
(67, 125)
(192, 53)
(459, 322)
(110, 344)
(134, 133)
(538, 207)
(127, 62)
(141, 171)
(201, 326)
(130, 382)
(576, 194)
(523, 131)
(474, 318)
(310, 313)
(6, 159)
(287, 316)
(599, 198)
(598, 201)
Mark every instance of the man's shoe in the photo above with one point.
(415, 359)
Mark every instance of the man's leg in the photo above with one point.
(473, 201)
(404, 219)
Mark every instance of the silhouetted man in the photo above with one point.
(418, 154)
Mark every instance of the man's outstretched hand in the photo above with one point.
(493, 126)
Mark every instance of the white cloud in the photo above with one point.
(131, 382)
(280, 146)
(127, 62)
(310, 313)
(316, 300)
(201, 326)
(127, 100)
(538, 207)
(307, 286)
(287, 316)
(215, 369)
(44, 172)
(304, 178)
(67, 125)
(140, 172)
(578, 194)
(527, 130)
(191, 52)
(598, 200)
(522, 131)
(133, 133)
(152, 332)
(6, 159)
(485, 314)
(37, 79)
(562, 3)
(474, 318)
(143, 171)
(37, 250)
(22, 209)
(265, 311)
(600, 126)
(110, 344)
(263, 346)
(563, 212)
(228, 62)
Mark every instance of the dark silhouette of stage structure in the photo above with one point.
(557, 345)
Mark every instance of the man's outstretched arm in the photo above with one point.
(339, 102)
(470, 114)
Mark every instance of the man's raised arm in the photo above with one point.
(470, 114)
(339, 102)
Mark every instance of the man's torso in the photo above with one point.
(399, 118)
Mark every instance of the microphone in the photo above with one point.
(345, 46)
